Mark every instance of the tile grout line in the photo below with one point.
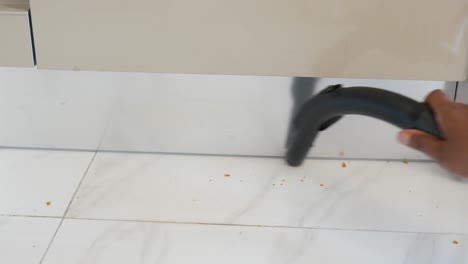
(265, 226)
(208, 154)
(32, 216)
(68, 207)
(235, 225)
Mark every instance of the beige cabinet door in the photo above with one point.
(400, 39)
(15, 37)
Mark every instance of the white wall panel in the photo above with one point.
(238, 115)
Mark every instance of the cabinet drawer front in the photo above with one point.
(317, 38)
(15, 45)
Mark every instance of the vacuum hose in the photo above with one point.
(327, 107)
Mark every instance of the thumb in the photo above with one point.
(421, 141)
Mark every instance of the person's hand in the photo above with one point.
(451, 153)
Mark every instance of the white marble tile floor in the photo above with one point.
(84, 241)
(37, 182)
(154, 208)
(24, 240)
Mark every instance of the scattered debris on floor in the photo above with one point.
(227, 175)
(48, 203)
(405, 162)
(283, 180)
(321, 185)
(455, 242)
(273, 184)
(343, 164)
(302, 180)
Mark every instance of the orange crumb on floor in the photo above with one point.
(321, 185)
(455, 242)
(227, 175)
(343, 164)
(48, 203)
(405, 162)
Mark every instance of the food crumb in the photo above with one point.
(302, 180)
(281, 184)
(48, 203)
(343, 164)
(321, 185)
(405, 162)
(455, 242)
(283, 180)
(273, 184)
(227, 175)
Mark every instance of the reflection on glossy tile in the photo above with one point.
(34, 182)
(264, 191)
(23, 240)
(83, 241)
